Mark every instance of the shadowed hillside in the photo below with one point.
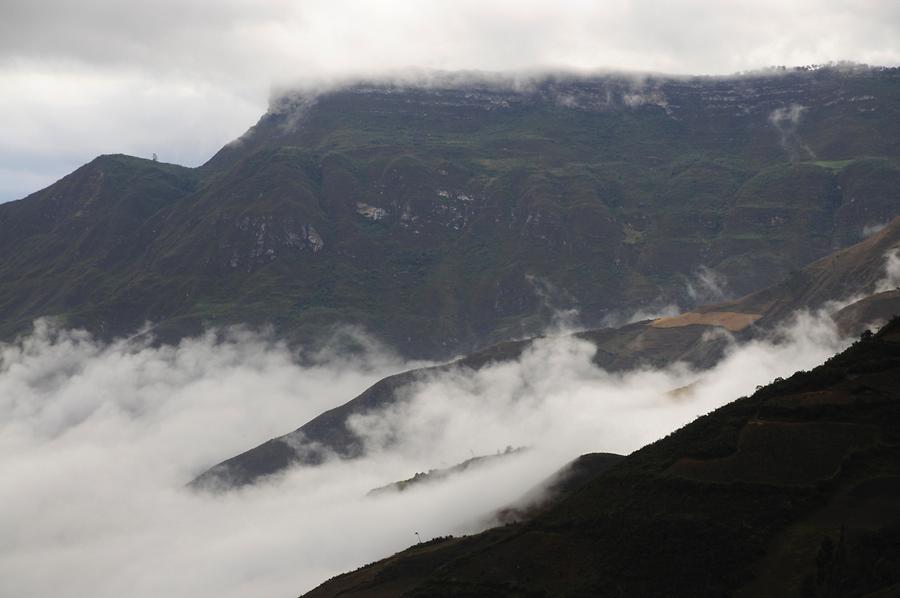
(794, 491)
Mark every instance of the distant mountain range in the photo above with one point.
(448, 217)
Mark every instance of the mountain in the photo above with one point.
(846, 276)
(794, 491)
(437, 475)
(850, 275)
(450, 214)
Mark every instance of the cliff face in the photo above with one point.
(447, 217)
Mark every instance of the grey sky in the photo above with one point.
(181, 78)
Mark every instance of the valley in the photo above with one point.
(469, 334)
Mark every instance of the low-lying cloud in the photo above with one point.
(704, 286)
(786, 120)
(707, 286)
(891, 280)
(97, 442)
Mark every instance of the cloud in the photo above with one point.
(706, 286)
(99, 66)
(559, 307)
(870, 229)
(786, 120)
(555, 399)
(891, 280)
(97, 442)
(46, 137)
(275, 39)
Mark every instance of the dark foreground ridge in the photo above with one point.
(794, 491)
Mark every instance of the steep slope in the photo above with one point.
(451, 214)
(564, 482)
(77, 248)
(792, 491)
(847, 274)
(841, 276)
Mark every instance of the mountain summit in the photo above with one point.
(446, 217)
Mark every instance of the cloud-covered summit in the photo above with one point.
(183, 78)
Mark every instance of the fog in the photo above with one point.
(891, 280)
(97, 442)
(703, 286)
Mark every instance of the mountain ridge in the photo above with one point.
(446, 220)
(790, 491)
(848, 276)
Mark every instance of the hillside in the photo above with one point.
(448, 216)
(437, 475)
(852, 273)
(794, 491)
(842, 276)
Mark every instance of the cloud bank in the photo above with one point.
(84, 77)
(97, 442)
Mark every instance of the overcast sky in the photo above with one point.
(183, 77)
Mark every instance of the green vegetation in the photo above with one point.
(428, 215)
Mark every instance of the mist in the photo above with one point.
(786, 120)
(99, 441)
(891, 280)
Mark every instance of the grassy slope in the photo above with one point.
(486, 199)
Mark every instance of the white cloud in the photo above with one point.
(60, 119)
(891, 280)
(113, 67)
(97, 441)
